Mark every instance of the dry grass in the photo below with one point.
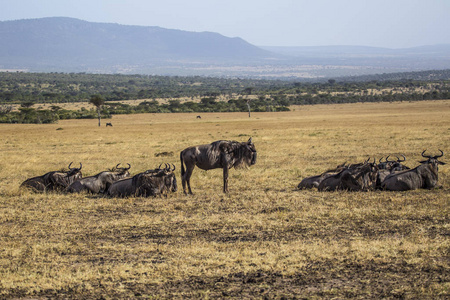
(263, 239)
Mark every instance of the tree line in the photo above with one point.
(197, 94)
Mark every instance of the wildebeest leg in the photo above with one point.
(225, 180)
(186, 178)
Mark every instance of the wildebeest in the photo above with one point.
(108, 124)
(423, 176)
(314, 181)
(389, 167)
(149, 183)
(392, 164)
(356, 177)
(361, 178)
(99, 183)
(54, 181)
(219, 154)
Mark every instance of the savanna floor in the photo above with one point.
(265, 239)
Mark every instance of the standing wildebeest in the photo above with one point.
(149, 183)
(219, 154)
(423, 176)
(99, 183)
(54, 181)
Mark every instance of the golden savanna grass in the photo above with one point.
(263, 239)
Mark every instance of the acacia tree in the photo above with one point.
(98, 102)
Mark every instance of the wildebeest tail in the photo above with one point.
(182, 164)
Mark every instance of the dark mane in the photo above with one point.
(233, 148)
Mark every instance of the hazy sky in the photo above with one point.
(382, 23)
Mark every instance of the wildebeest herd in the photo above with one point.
(117, 182)
(389, 175)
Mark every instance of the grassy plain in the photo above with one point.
(263, 239)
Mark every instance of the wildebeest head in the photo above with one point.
(244, 153)
(155, 182)
(121, 172)
(386, 164)
(75, 173)
(253, 154)
(392, 165)
(433, 160)
(170, 180)
(398, 166)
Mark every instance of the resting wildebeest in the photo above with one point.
(219, 154)
(99, 183)
(314, 181)
(423, 176)
(53, 181)
(389, 167)
(356, 177)
(361, 178)
(149, 183)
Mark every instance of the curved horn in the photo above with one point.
(160, 166)
(427, 156)
(129, 166)
(167, 166)
(399, 160)
(70, 164)
(80, 166)
(117, 166)
(173, 167)
(442, 154)
(387, 159)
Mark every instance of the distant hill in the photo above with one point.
(72, 44)
(60, 44)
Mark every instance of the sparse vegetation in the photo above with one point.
(264, 239)
(160, 94)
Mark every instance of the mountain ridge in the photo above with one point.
(62, 44)
(59, 38)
